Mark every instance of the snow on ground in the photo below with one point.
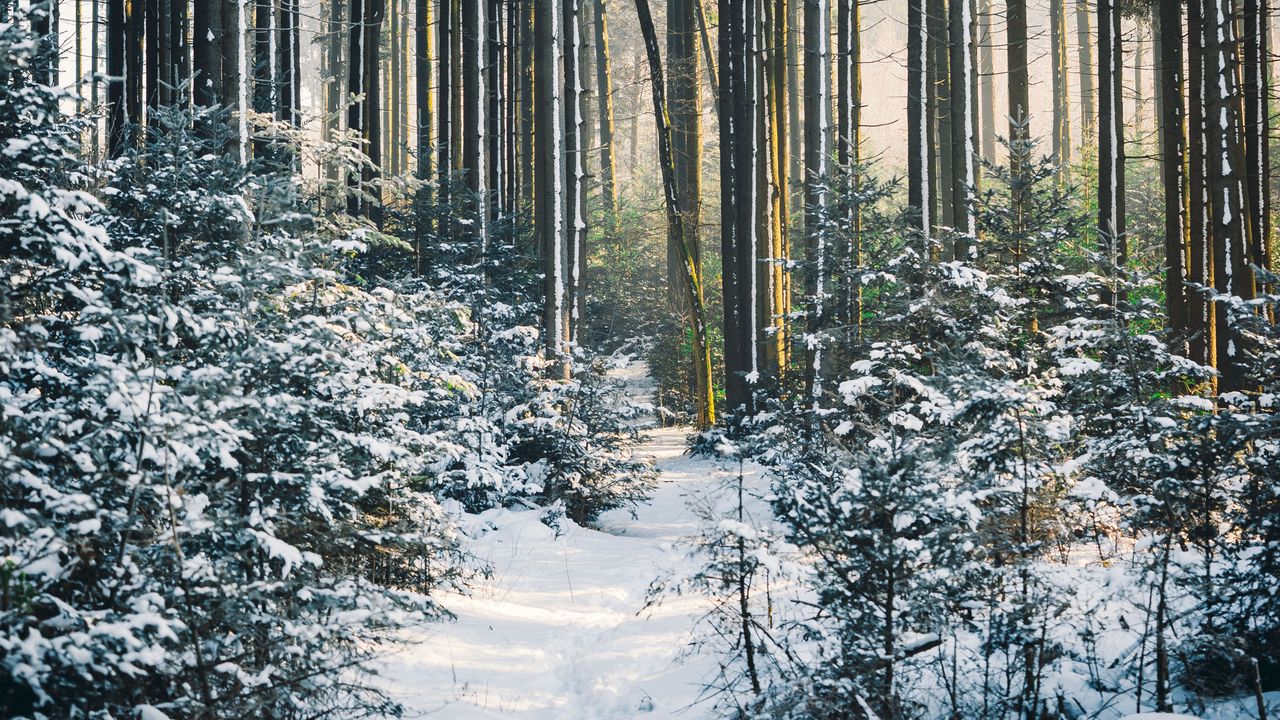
(558, 630)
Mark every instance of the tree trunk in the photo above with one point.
(1061, 89)
(117, 117)
(604, 115)
(1084, 40)
(849, 146)
(795, 150)
(134, 67)
(919, 188)
(774, 302)
(818, 156)
(474, 120)
(1229, 226)
(964, 140)
(686, 145)
(1019, 101)
(737, 172)
(575, 228)
(423, 69)
(1173, 153)
(234, 66)
(446, 113)
(332, 78)
(987, 82)
(1257, 141)
(548, 179)
(940, 110)
(675, 218)
(526, 64)
(152, 28)
(1200, 313)
(1111, 211)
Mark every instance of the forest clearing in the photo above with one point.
(602, 359)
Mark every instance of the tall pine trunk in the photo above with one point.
(604, 116)
(987, 81)
(1201, 323)
(1173, 152)
(1061, 88)
(1111, 200)
(549, 178)
(1084, 52)
(919, 147)
(817, 159)
(692, 276)
(964, 139)
(737, 219)
(685, 108)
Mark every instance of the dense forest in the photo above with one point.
(790, 359)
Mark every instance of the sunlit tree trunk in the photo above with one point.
(604, 116)
(986, 81)
(849, 142)
(818, 158)
(685, 108)
(1111, 200)
(1084, 51)
(1200, 313)
(919, 148)
(692, 276)
(1061, 88)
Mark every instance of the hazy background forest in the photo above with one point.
(775, 359)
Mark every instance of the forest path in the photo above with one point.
(559, 630)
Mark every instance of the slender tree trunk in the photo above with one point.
(774, 276)
(332, 78)
(356, 114)
(234, 96)
(94, 63)
(710, 57)
(686, 151)
(549, 178)
(1257, 140)
(849, 147)
(135, 67)
(529, 155)
(987, 82)
(1111, 210)
(919, 188)
(423, 70)
(604, 98)
(1200, 313)
(44, 26)
(574, 224)
(474, 120)
(1061, 89)
(940, 111)
(676, 217)
(1019, 100)
(795, 150)
(151, 29)
(446, 114)
(1173, 153)
(1229, 227)
(394, 89)
(964, 139)
(1084, 50)
(737, 172)
(117, 116)
(818, 157)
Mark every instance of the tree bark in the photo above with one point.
(1061, 89)
(1229, 227)
(818, 158)
(964, 140)
(1257, 140)
(1019, 101)
(675, 218)
(1084, 51)
(919, 187)
(1111, 205)
(604, 115)
(117, 116)
(548, 180)
(986, 82)
(1200, 313)
(1173, 153)
(737, 217)
(685, 110)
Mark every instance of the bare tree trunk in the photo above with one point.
(849, 147)
(1111, 211)
(526, 63)
(1229, 227)
(964, 140)
(737, 222)
(1257, 140)
(940, 111)
(795, 151)
(774, 301)
(1173, 152)
(117, 116)
(1084, 50)
(575, 228)
(919, 188)
(548, 179)
(987, 82)
(686, 150)
(1061, 89)
(818, 157)
(692, 276)
(332, 72)
(1019, 97)
(1200, 313)
(604, 98)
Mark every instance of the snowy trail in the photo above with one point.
(554, 633)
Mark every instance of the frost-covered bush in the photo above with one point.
(215, 499)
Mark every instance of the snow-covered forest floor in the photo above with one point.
(560, 628)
